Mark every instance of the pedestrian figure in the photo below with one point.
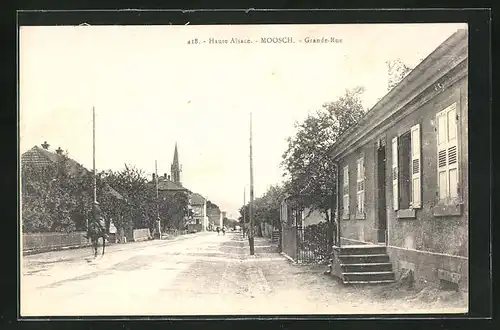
(218, 230)
(224, 230)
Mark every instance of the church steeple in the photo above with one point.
(175, 168)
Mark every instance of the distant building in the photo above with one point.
(176, 168)
(199, 206)
(214, 217)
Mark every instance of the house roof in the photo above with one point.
(197, 199)
(41, 157)
(168, 185)
(451, 54)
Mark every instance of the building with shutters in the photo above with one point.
(403, 171)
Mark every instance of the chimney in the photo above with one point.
(168, 177)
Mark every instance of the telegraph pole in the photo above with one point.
(157, 196)
(93, 154)
(250, 236)
(244, 211)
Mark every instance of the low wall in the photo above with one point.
(141, 235)
(429, 267)
(39, 242)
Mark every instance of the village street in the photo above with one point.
(198, 274)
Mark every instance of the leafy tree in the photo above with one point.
(50, 196)
(266, 208)
(211, 205)
(229, 222)
(397, 70)
(174, 209)
(310, 171)
(138, 210)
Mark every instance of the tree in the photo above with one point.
(52, 195)
(174, 209)
(138, 210)
(266, 208)
(211, 205)
(397, 70)
(311, 172)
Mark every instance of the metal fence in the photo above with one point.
(306, 244)
(289, 241)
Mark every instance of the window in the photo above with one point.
(360, 194)
(406, 170)
(447, 148)
(345, 191)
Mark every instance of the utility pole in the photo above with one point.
(93, 154)
(157, 199)
(244, 211)
(250, 236)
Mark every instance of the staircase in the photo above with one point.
(363, 264)
(275, 236)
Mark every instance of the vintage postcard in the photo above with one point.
(243, 169)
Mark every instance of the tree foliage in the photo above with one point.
(397, 70)
(266, 208)
(53, 196)
(310, 171)
(174, 209)
(211, 205)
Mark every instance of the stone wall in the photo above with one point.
(141, 235)
(41, 242)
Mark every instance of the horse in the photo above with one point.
(97, 229)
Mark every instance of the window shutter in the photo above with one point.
(447, 138)
(346, 190)
(453, 177)
(360, 185)
(363, 185)
(416, 167)
(395, 195)
(442, 147)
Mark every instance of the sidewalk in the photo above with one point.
(286, 287)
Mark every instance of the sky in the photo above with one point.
(151, 89)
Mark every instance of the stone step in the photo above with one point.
(362, 250)
(369, 282)
(366, 258)
(368, 276)
(367, 267)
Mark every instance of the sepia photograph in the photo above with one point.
(281, 169)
